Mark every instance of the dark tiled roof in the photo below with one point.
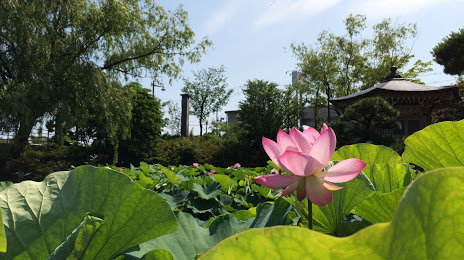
(395, 84)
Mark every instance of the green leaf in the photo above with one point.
(144, 181)
(74, 246)
(379, 207)
(145, 168)
(158, 254)
(271, 214)
(39, 216)
(436, 146)
(2, 238)
(172, 177)
(226, 182)
(369, 153)
(208, 191)
(190, 238)
(5, 184)
(328, 218)
(388, 177)
(428, 224)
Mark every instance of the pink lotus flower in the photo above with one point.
(212, 172)
(305, 155)
(195, 164)
(120, 169)
(246, 176)
(237, 165)
(275, 171)
(228, 168)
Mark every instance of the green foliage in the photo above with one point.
(339, 65)
(58, 58)
(2, 237)
(438, 145)
(328, 219)
(364, 120)
(207, 92)
(205, 149)
(191, 239)
(451, 111)
(100, 213)
(39, 216)
(145, 127)
(428, 215)
(265, 110)
(450, 53)
(368, 153)
(174, 120)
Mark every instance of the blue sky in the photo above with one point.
(252, 37)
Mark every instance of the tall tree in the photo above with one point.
(53, 54)
(207, 92)
(450, 53)
(145, 126)
(341, 65)
(265, 110)
(174, 119)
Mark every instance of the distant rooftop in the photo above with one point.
(393, 82)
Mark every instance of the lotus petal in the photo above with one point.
(301, 140)
(324, 148)
(298, 164)
(344, 171)
(275, 181)
(317, 193)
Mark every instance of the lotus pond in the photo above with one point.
(405, 206)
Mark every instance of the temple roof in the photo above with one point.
(393, 82)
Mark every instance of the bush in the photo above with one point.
(208, 149)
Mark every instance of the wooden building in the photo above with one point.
(415, 102)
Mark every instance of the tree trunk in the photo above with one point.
(115, 152)
(201, 128)
(59, 130)
(21, 138)
(201, 121)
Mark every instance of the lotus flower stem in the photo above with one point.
(310, 214)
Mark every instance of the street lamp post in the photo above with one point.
(154, 85)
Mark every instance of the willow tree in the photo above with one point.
(53, 55)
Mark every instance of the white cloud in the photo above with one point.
(281, 10)
(221, 17)
(391, 8)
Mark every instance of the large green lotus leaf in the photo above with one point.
(369, 153)
(39, 216)
(190, 238)
(388, 177)
(209, 191)
(158, 254)
(328, 218)
(436, 146)
(428, 224)
(379, 207)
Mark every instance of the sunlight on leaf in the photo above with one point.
(369, 154)
(428, 224)
(436, 146)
